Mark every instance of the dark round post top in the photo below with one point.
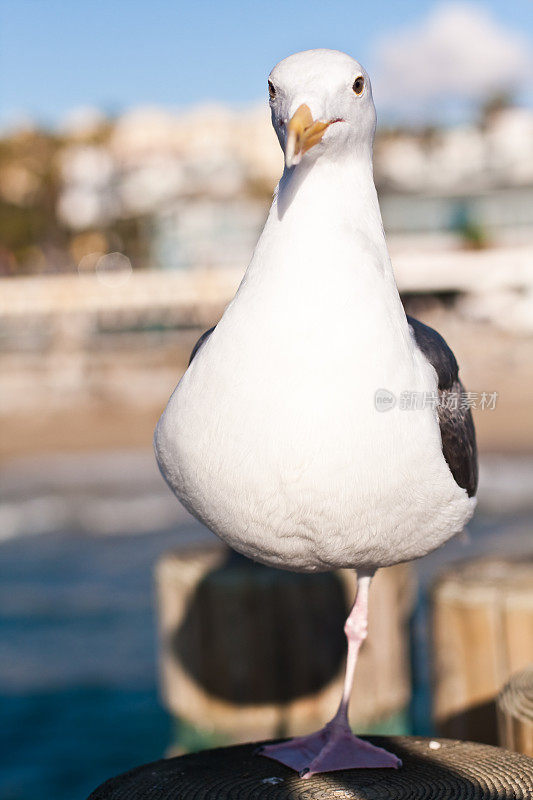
(433, 769)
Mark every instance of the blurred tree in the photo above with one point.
(29, 188)
(494, 105)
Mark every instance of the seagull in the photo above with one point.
(290, 435)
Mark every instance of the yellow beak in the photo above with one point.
(302, 134)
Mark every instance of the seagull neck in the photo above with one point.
(327, 207)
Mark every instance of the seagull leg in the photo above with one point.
(335, 747)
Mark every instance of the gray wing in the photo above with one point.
(456, 424)
(200, 342)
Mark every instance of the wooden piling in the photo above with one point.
(482, 633)
(432, 770)
(515, 713)
(250, 652)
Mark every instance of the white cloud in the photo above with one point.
(456, 56)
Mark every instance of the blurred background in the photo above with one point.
(137, 165)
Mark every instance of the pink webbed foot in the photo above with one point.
(332, 748)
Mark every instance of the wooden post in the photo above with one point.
(515, 713)
(482, 633)
(249, 652)
(432, 770)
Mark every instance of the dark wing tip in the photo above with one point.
(457, 431)
(437, 352)
(200, 342)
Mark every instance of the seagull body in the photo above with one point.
(272, 438)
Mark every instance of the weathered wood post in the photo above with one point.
(482, 633)
(249, 652)
(515, 713)
(432, 770)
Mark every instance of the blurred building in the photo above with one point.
(178, 191)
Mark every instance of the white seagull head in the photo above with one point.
(321, 104)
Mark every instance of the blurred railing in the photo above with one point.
(200, 291)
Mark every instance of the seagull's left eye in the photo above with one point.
(271, 90)
(359, 85)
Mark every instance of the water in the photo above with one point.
(78, 674)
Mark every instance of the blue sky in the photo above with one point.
(56, 55)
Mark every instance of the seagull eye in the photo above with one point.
(359, 85)
(271, 90)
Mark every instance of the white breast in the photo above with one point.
(272, 437)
